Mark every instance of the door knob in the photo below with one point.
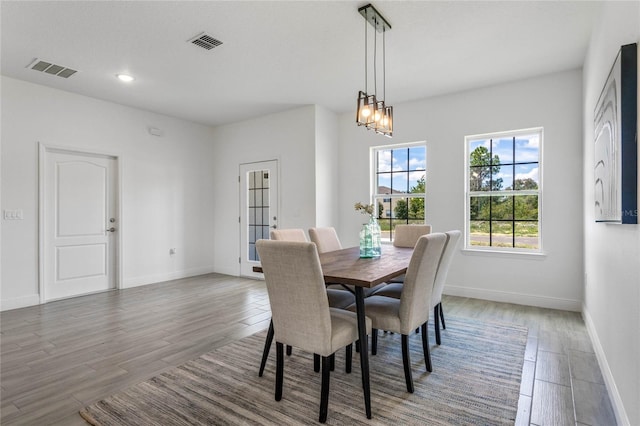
(112, 229)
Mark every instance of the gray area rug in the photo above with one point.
(475, 380)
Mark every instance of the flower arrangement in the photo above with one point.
(364, 208)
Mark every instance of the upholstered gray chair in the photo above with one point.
(407, 236)
(441, 277)
(338, 298)
(327, 240)
(395, 290)
(300, 309)
(293, 234)
(411, 310)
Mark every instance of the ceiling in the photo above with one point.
(280, 55)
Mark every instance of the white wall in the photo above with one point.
(553, 102)
(166, 201)
(288, 137)
(612, 252)
(326, 164)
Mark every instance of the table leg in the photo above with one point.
(364, 349)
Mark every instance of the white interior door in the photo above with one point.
(258, 210)
(80, 224)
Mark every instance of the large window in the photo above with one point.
(504, 190)
(399, 185)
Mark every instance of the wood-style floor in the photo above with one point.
(58, 357)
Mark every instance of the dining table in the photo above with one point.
(346, 267)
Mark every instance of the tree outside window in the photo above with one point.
(503, 196)
(399, 173)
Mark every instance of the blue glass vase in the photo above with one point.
(370, 245)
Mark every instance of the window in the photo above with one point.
(399, 179)
(504, 191)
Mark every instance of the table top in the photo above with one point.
(347, 267)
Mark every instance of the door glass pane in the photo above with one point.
(258, 210)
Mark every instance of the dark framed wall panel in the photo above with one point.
(616, 142)
(629, 132)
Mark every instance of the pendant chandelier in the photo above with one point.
(372, 111)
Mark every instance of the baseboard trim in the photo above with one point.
(517, 298)
(616, 401)
(19, 302)
(157, 278)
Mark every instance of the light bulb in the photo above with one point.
(124, 77)
(385, 121)
(366, 112)
(376, 116)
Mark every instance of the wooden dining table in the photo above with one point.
(347, 267)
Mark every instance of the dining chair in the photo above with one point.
(300, 309)
(395, 290)
(338, 298)
(407, 236)
(441, 277)
(326, 239)
(411, 310)
(292, 234)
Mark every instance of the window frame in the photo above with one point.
(374, 195)
(491, 193)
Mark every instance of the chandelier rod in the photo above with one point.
(366, 59)
(375, 63)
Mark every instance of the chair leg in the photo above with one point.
(441, 315)
(358, 346)
(407, 363)
(324, 391)
(265, 351)
(288, 350)
(332, 361)
(347, 358)
(436, 323)
(316, 363)
(425, 347)
(374, 341)
(279, 369)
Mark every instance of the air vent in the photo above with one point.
(51, 68)
(205, 41)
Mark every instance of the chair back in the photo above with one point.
(415, 299)
(292, 234)
(325, 238)
(299, 304)
(407, 235)
(443, 269)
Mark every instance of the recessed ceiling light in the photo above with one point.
(125, 77)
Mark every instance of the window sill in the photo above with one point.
(505, 253)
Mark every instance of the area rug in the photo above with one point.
(475, 380)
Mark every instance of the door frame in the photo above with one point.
(241, 212)
(43, 149)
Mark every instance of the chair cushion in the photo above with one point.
(344, 329)
(367, 291)
(390, 290)
(340, 298)
(385, 312)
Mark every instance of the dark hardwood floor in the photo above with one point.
(58, 357)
